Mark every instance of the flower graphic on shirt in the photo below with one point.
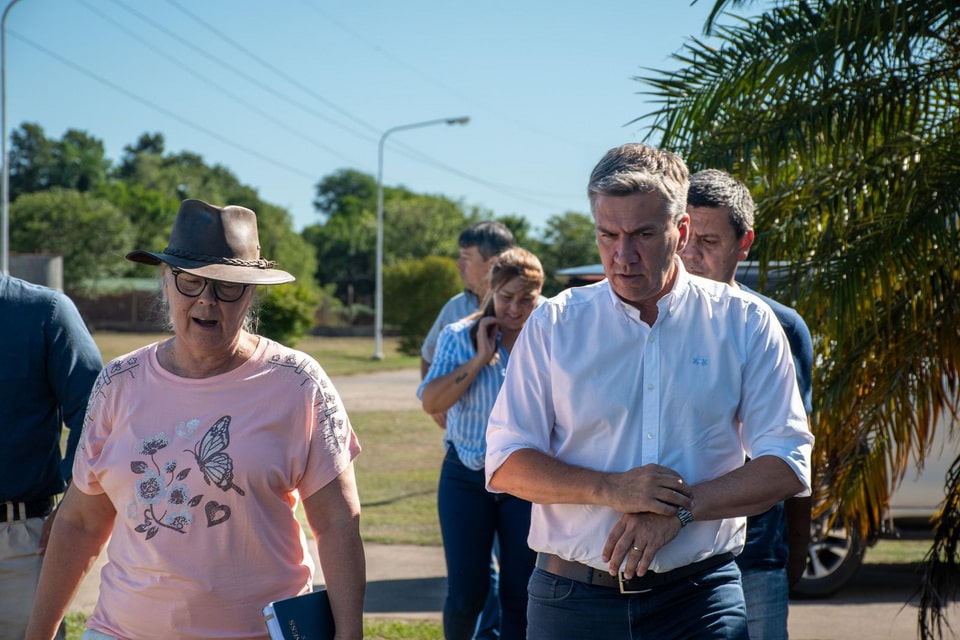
(150, 446)
(161, 490)
(150, 488)
(178, 519)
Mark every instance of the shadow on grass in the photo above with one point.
(397, 499)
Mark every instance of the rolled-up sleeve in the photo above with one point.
(522, 417)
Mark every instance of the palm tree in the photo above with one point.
(844, 119)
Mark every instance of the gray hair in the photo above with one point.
(718, 189)
(639, 168)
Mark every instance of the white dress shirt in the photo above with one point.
(591, 384)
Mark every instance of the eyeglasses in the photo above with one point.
(192, 286)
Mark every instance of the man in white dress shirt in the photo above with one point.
(627, 411)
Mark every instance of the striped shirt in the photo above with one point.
(467, 418)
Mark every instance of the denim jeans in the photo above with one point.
(766, 593)
(488, 626)
(708, 605)
(469, 518)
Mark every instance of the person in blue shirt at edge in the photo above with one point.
(464, 379)
(628, 408)
(480, 244)
(50, 363)
(721, 214)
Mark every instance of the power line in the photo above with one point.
(246, 76)
(170, 114)
(404, 149)
(233, 96)
(274, 69)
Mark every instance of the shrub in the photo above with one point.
(287, 312)
(414, 292)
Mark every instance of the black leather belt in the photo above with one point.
(16, 511)
(600, 578)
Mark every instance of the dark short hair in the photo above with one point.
(491, 238)
(719, 190)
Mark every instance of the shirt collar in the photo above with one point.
(667, 304)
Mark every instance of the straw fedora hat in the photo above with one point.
(216, 243)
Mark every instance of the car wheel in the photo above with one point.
(833, 559)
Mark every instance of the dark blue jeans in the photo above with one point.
(469, 517)
(709, 605)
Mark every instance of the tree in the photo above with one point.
(568, 240)
(842, 115)
(37, 163)
(415, 226)
(90, 233)
(31, 155)
(414, 293)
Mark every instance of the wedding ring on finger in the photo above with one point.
(638, 549)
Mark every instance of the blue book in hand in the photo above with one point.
(305, 617)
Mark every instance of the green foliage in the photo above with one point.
(415, 226)
(77, 161)
(346, 193)
(89, 232)
(151, 212)
(287, 311)
(414, 293)
(569, 240)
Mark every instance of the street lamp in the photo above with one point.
(378, 322)
(5, 209)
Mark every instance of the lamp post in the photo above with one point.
(5, 210)
(378, 321)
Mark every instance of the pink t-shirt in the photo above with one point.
(205, 475)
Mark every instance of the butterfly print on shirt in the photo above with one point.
(162, 491)
(216, 465)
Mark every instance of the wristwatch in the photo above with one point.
(685, 516)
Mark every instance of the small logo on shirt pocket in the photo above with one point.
(700, 361)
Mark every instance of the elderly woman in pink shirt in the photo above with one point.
(195, 454)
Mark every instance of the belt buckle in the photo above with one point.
(625, 589)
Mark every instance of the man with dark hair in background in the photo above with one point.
(721, 214)
(480, 245)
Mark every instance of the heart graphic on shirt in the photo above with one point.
(216, 513)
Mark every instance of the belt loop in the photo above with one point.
(9, 506)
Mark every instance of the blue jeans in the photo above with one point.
(488, 626)
(469, 518)
(708, 605)
(766, 593)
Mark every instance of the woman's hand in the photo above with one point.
(487, 338)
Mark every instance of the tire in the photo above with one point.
(833, 559)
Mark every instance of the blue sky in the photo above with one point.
(284, 93)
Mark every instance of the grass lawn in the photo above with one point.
(337, 356)
(397, 475)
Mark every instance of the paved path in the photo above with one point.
(409, 582)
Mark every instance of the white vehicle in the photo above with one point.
(836, 553)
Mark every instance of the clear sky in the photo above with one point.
(286, 92)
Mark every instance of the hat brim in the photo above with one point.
(223, 272)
